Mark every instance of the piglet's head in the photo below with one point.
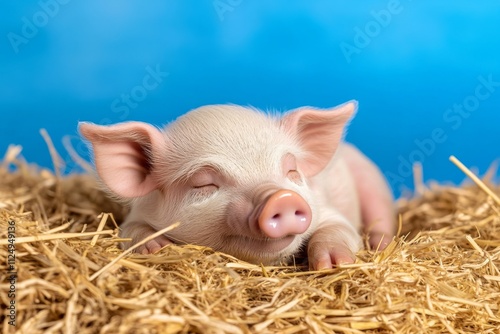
(238, 180)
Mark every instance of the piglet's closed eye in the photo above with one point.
(123, 155)
(319, 132)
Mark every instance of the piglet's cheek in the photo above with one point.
(237, 212)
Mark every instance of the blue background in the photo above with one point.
(406, 62)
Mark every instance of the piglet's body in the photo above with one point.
(256, 186)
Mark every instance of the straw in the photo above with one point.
(439, 275)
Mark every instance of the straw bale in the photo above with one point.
(440, 275)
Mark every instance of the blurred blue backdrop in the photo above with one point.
(426, 74)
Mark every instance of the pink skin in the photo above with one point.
(247, 184)
(377, 208)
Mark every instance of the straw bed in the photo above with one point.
(441, 275)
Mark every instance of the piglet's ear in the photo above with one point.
(319, 132)
(123, 155)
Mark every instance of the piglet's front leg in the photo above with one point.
(334, 242)
(139, 231)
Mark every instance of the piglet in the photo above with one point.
(257, 186)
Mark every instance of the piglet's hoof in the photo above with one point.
(154, 245)
(324, 255)
(379, 241)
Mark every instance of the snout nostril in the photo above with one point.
(276, 216)
(299, 213)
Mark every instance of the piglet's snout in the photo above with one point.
(285, 213)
